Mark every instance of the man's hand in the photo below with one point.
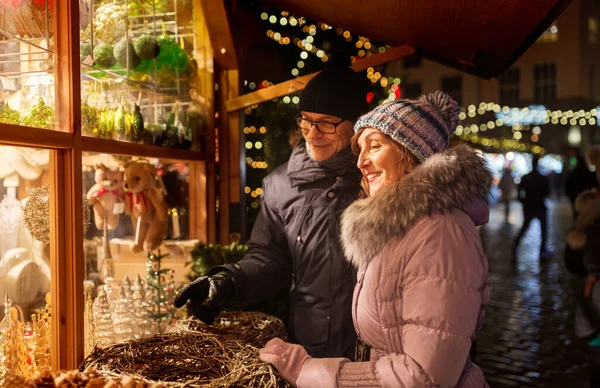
(206, 295)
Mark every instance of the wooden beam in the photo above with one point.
(35, 137)
(94, 144)
(379, 59)
(220, 33)
(298, 84)
(66, 197)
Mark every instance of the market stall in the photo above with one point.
(116, 118)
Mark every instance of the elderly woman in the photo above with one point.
(423, 281)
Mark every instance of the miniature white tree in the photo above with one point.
(124, 316)
(103, 322)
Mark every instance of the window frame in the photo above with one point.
(66, 145)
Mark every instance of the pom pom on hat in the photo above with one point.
(446, 105)
(424, 126)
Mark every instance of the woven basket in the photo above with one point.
(25, 21)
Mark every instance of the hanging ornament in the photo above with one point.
(103, 322)
(124, 316)
(36, 214)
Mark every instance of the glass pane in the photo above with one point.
(27, 63)
(144, 72)
(128, 218)
(24, 259)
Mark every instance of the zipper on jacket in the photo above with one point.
(355, 307)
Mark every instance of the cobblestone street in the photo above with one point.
(527, 339)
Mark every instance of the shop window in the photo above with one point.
(411, 89)
(25, 193)
(140, 79)
(592, 25)
(412, 61)
(453, 86)
(544, 82)
(508, 86)
(27, 66)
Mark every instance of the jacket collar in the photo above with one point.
(447, 180)
(301, 169)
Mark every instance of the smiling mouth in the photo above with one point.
(371, 177)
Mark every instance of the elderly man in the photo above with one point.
(295, 239)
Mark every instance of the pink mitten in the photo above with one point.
(287, 358)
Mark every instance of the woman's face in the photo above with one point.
(379, 160)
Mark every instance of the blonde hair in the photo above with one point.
(407, 159)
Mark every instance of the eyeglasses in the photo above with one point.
(322, 126)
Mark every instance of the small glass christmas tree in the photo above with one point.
(124, 316)
(128, 287)
(103, 322)
(161, 286)
(143, 319)
(110, 296)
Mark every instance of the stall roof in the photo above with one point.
(481, 37)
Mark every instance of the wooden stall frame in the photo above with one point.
(297, 84)
(66, 146)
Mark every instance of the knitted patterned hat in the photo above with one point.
(336, 91)
(423, 126)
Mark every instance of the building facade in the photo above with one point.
(554, 86)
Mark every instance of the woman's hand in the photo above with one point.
(287, 358)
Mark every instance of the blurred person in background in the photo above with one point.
(532, 192)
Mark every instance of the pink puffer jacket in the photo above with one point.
(423, 279)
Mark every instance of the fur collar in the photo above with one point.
(444, 181)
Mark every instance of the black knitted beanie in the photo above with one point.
(336, 91)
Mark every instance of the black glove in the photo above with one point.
(206, 295)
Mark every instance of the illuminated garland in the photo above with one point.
(502, 144)
(536, 114)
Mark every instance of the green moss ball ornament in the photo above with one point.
(85, 49)
(146, 47)
(169, 50)
(125, 54)
(103, 55)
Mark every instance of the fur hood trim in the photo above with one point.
(442, 182)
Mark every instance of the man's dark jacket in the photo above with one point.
(295, 240)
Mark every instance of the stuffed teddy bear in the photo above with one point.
(145, 203)
(587, 205)
(104, 195)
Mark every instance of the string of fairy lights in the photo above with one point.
(525, 123)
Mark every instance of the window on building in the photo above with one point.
(592, 82)
(550, 35)
(411, 89)
(544, 82)
(592, 30)
(412, 61)
(508, 86)
(453, 87)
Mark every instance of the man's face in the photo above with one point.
(321, 146)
